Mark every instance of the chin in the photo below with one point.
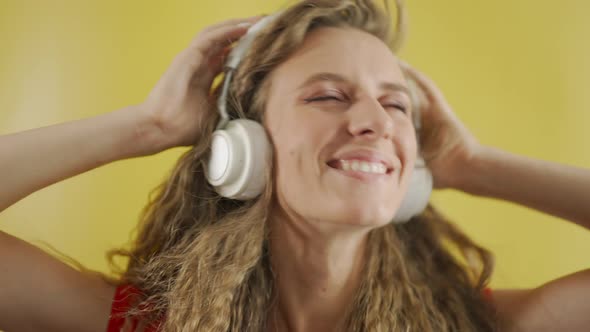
(366, 218)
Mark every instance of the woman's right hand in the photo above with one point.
(179, 101)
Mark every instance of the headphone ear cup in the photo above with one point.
(240, 156)
(419, 191)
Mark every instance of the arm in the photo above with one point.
(560, 190)
(172, 115)
(563, 191)
(41, 293)
(559, 305)
(458, 161)
(36, 158)
(37, 291)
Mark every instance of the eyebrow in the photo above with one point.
(338, 78)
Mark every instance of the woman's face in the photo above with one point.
(338, 114)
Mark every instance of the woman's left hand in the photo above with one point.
(445, 143)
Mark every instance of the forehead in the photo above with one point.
(354, 54)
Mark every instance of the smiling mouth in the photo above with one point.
(361, 170)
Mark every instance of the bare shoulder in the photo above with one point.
(560, 305)
(45, 294)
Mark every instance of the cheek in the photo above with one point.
(288, 162)
(406, 144)
(411, 142)
(296, 165)
(292, 178)
(295, 146)
(293, 162)
(408, 135)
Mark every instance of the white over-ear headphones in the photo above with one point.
(241, 151)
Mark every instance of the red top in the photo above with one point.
(488, 294)
(122, 303)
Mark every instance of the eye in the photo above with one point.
(323, 98)
(397, 106)
(326, 98)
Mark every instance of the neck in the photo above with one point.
(316, 275)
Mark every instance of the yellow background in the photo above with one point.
(517, 73)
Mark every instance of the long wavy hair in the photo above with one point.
(201, 261)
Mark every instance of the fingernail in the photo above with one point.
(244, 25)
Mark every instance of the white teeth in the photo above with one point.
(366, 167)
(344, 165)
(362, 166)
(375, 168)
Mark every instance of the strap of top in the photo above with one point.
(488, 294)
(121, 304)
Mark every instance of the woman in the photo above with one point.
(316, 250)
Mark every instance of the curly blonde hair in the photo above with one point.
(202, 262)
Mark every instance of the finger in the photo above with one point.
(403, 64)
(234, 21)
(217, 60)
(214, 67)
(200, 53)
(210, 42)
(213, 31)
(207, 53)
(428, 86)
(217, 39)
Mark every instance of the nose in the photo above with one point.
(368, 118)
